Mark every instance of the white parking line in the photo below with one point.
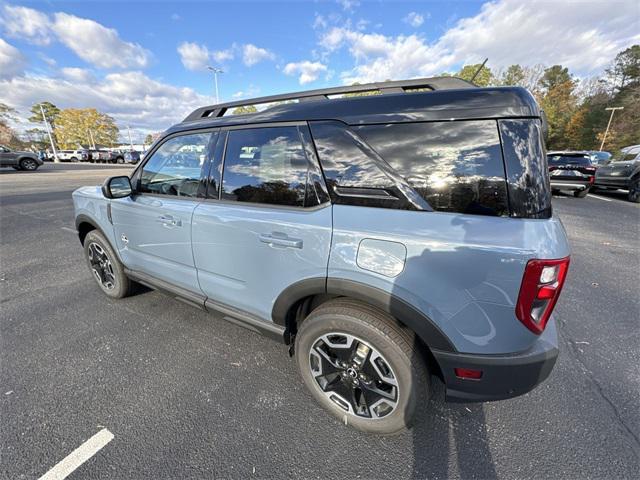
(67, 229)
(80, 455)
(600, 198)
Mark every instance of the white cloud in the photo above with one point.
(193, 56)
(221, 56)
(252, 54)
(176, 17)
(80, 75)
(12, 62)
(414, 19)
(349, 5)
(584, 38)
(251, 91)
(197, 57)
(309, 71)
(319, 22)
(97, 44)
(26, 24)
(132, 98)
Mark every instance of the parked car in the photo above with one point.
(571, 171)
(132, 157)
(598, 157)
(377, 238)
(72, 155)
(19, 160)
(622, 173)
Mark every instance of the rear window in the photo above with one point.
(455, 166)
(581, 160)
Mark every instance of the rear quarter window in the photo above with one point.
(455, 166)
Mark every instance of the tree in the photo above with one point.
(555, 76)
(625, 69)
(7, 134)
(148, 140)
(558, 100)
(244, 109)
(484, 77)
(513, 76)
(50, 111)
(73, 126)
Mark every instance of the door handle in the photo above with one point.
(283, 241)
(169, 221)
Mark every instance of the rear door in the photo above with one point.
(267, 224)
(153, 226)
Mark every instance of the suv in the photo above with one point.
(383, 238)
(573, 171)
(622, 173)
(19, 160)
(72, 155)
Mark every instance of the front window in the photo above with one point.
(174, 169)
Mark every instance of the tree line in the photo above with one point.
(576, 109)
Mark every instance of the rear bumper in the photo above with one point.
(503, 376)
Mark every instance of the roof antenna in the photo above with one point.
(478, 71)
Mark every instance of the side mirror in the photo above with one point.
(117, 187)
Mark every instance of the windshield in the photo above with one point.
(582, 160)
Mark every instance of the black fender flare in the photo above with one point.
(404, 312)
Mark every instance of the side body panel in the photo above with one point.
(90, 204)
(153, 235)
(241, 254)
(463, 271)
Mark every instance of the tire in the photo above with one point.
(348, 322)
(74, 159)
(105, 267)
(28, 164)
(581, 193)
(634, 191)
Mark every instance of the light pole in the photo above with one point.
(53, 146)
(216, 71)
(613, 110)
(130, 141)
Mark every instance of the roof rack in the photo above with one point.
(401, 86)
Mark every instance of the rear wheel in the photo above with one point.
(74, 159)
(28, 164)
(362, 366)
(581, 193)
(634, 191)
(105, 266)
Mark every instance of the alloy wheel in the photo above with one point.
(101, 266)
(354, 375)
(29, 164)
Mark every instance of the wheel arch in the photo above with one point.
(297, 300)
(84, 225)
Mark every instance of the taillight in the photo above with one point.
(539, 292)
(592, 179)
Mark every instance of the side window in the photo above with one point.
(265, 165)
(526, 166)
(174, 168)
(454, 166)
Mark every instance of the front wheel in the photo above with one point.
(105, 266)
(28, 164)
(634, 191)
(362, 366)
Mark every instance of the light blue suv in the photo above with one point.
(385, 238)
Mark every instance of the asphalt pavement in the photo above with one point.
(188, 395)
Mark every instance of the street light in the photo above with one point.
(613, 110)
(216, 71)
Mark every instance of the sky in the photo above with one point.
(145, 63)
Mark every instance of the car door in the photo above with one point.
(267, 224)
(153, 226)
(7, 157)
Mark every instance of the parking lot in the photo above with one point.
(188, 395)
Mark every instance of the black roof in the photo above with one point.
(445, 98)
